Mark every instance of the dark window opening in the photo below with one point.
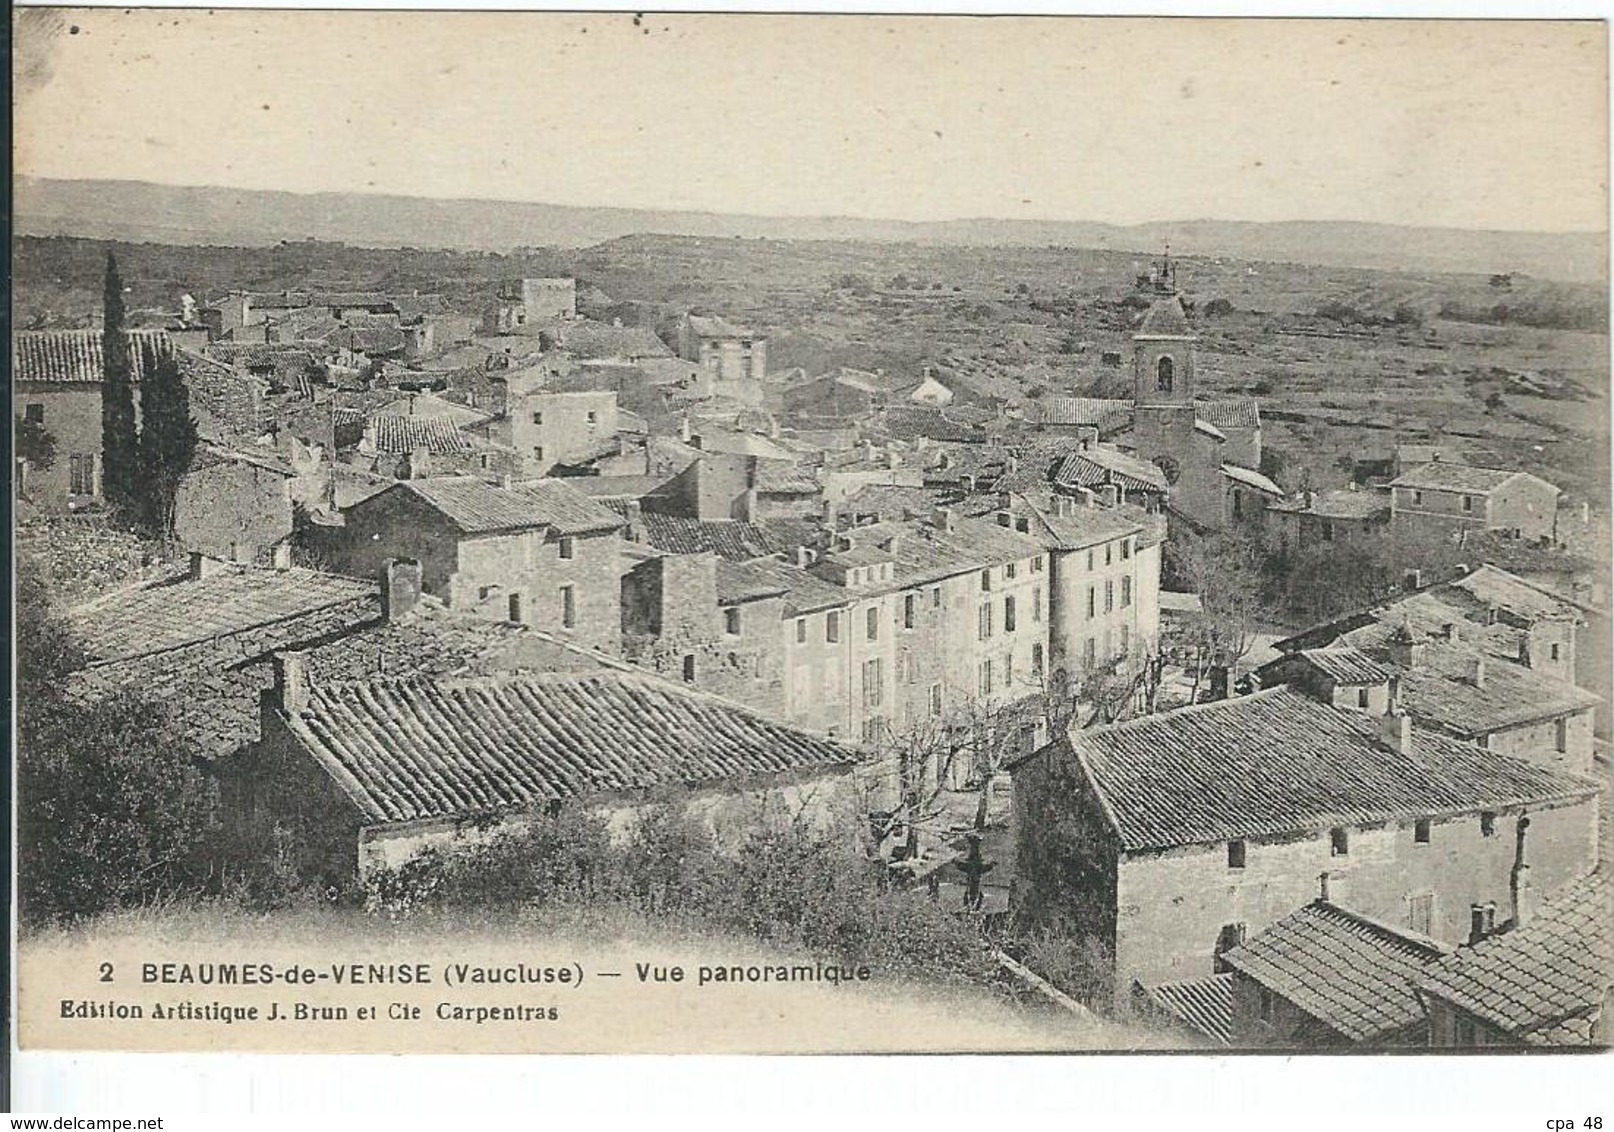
(1339, 842)
(1420, 831)
(1235, 854)
(1164, 371)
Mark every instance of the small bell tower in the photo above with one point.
(1164, 343)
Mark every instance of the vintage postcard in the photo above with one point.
(617, 533)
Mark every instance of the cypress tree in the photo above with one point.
(119, 446)
(167, 440)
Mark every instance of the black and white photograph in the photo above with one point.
(555, 533)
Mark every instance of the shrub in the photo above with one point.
(788, 883)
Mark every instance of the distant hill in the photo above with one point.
(143, 212)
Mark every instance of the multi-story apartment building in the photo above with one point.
(539, 553)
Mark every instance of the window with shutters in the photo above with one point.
(568, 606)
(871, 683)
(1008, 615)
(1421, 913)
(832, 627)
(871, 623)
(984, 622)
(909, 605)
(81, 475)
(1126, 592)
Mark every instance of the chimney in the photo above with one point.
(969, 485)
(1011, 463)
(633, 513)
(1412, 580)
(1322, 887)
(805, 556)
(401, 583)
(684, 433)
(1062, 505)
(1449, 631)
(942, 519)
(282, 556)
(506, 480)
(1395, 731)
(1521, 892)
(1476, 672)
(291, 682)
(1109, 495)
(202, 566)
(240, 552)
(1481, 921)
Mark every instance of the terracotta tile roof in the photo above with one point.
(395, 435)
(777, 477)
(1203, 1005)
(1165, 318)
(1351, 973)
(924, 553)
(1426, 612)
(479, 507)
(1228, 412)
(804, 592)
(1105, 414)
(616, 487)
(432, 640)
(1514, 595)
(1098, 466)
(431, 405)
(727, 538)
(74, 356)
(1441, 476)
(905, 423)
(1279, 762)
(175, 611)
(411, 749)
(1346, 505)
(1080, 526)
(1440, 690)
(739, 582)
(1545, 983)
(1347, 665)
(893, 501)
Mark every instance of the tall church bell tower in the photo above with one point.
(1163, 347)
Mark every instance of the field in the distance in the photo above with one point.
(1517, 374)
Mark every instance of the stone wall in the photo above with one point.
(1172, 906)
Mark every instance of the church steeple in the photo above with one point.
(1164, 343)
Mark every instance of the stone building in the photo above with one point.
(365, 775)
(1162, 842)
(1445, 497)
(1328, 977)
(1212, 468)
(1323, 519)
(732, 358)
(56, 381)
(545, 427)
(537, 553)
(1484, 657)
(747, 488)
(522, 306)
(1545, 979)
(1103, 581)
(234, 505)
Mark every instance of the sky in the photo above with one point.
(1449, 123)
